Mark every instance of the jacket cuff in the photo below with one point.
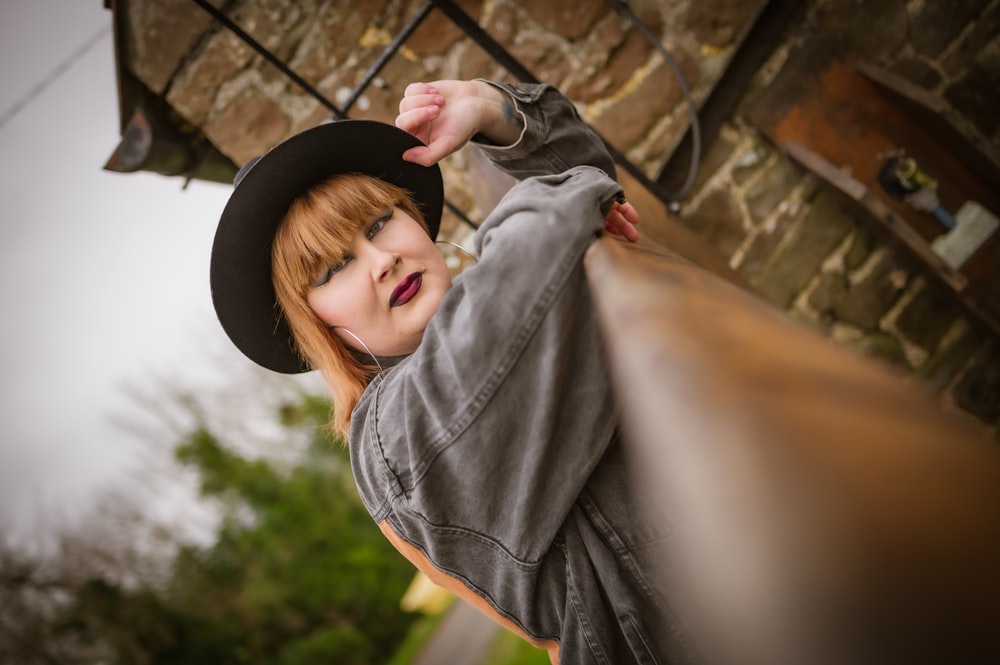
(524, 96)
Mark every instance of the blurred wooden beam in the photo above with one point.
(821, 509)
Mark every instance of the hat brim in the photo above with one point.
(242, 290)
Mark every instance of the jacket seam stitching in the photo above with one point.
(475, 406)
(473, 587)
(527, 566)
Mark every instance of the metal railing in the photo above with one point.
(471, 29)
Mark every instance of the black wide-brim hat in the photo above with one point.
(242, 290)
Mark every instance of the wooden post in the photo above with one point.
(822, 509)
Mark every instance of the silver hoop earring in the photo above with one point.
(362, 343)
(475, 259)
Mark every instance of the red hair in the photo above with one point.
(319, 227)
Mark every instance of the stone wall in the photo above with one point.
(245, 105)
(793, 240)
(785, 233)
(805, 252)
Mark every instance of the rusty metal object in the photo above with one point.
(822, 510)
(879, 208)
(134, 148)
(849, 114)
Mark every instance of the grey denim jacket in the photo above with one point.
(489, 457)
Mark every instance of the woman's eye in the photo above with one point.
(379, 224)
(328, 274)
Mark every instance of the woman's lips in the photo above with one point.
(405, 290)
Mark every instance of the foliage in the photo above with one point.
(509, 649)
(420, 632)
(298, 573)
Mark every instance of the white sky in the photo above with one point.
(103, 276)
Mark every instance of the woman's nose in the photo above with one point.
(383, 262)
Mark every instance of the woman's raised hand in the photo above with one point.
(444, 115)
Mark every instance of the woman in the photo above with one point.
(480, 420)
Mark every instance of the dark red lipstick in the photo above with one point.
(405, 290)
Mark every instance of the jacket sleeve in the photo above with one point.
(554, 137)
(494, 425)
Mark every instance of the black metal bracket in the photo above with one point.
(471, 29)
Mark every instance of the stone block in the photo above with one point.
(335, 32)
(771, 188)
(883, 346)
(544, 55)
(717, 23)
(985, 28)
(821, 228)
(719, 221)
(438, 33)
(764, 245)
(872, 29)
(160, 35)
(939, 23)
(571, 19)
(473, 62)
(750, 161)
(713, 159)
(615, 52)
(941, 368)
(926, 318)
(249, 126)
(917, 71)
(627, 120)
(194, 90)
(829, 290)
(282, 27)
(974, 95)
(866, 302)
(502, 24)
(860, 249)
(978, 391)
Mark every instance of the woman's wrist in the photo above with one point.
(500, 123)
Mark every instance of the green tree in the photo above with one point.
(298, 573)
(298, 560)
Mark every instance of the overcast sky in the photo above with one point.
(103, 276)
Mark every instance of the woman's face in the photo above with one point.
(386, 288)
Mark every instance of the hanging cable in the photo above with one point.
(485, 41)
(622, 8)
(54, 75)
